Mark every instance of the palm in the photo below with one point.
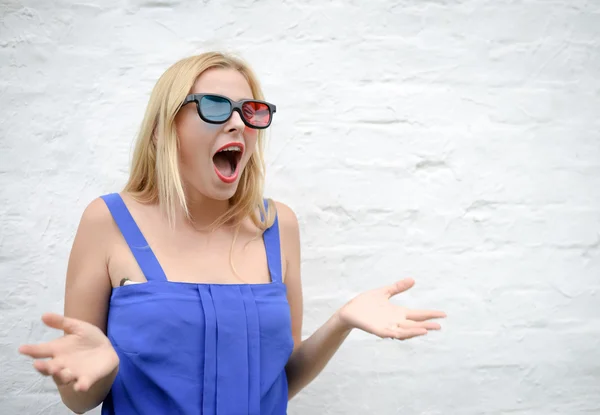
(82, 356)
(373, 313)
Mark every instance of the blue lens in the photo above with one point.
(215, 108)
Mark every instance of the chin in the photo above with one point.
(216, 186)
(223, 194)
(212, 189)
(220, 190)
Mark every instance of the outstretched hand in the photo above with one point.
(373, 313)
(81, 357)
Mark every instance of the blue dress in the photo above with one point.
(197, 349)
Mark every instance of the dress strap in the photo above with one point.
(273, 248)
(135, 239)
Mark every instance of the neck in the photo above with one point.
(204, 211)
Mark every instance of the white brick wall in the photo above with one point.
(453, 141)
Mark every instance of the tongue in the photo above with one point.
(223, 164)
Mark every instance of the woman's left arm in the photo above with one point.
(370, 311)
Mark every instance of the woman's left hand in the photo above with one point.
(373, 313)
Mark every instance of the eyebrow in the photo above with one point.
(223, 95)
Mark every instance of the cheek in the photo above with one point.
(189, 124)
(250, 137)
(193, 148)
(194, 140)
(210, 128)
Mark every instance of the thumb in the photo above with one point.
(399, 286)
(60, 322)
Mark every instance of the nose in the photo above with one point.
(235, 123)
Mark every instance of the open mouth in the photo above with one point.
(226, 161)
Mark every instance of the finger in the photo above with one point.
(60, 322)
(53, 320)
(47, 349)
(48, 367)
(64, 377)
(399, 286)
(422, 315)
(82, 384)
(54, 366)
(38, 351)
(42, 367)
(405, 334)
(427, 325)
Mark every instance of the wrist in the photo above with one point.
(340, 321)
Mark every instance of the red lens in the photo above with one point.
(256, 113)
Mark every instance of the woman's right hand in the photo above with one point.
(82, 357)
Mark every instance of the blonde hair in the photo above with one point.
(155, 174)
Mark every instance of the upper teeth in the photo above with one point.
(232, 148)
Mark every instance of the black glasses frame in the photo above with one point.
(235, 106)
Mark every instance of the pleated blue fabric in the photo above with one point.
(197, 349)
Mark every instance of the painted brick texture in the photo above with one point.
(456, 142)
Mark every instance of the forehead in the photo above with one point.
(228, 82)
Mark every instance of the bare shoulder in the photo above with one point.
(289, 231)
(96, 215)
(97, 222)
(288, 221)
(94, 234)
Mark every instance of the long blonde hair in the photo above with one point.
(155, 174)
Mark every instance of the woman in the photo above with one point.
(183, 292)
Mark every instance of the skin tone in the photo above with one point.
(83, 363)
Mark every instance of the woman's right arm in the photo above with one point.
(87, 293)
